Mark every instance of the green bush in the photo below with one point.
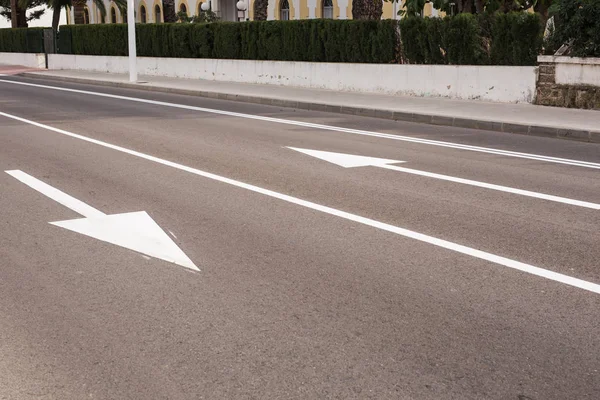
(22, 40)
(578, 22)
(307, 40)
(516, 39)
(463, 41)
(499, 39)
(503, 39)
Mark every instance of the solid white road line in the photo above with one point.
(500, 188)
(506, 153)
(353, 161)
(506, 262)
(60, 197)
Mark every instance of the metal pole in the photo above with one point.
(131, 38)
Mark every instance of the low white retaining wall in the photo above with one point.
(31, 60)
(493, 83)
(574, 70)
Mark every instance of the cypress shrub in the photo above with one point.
(516, 39)
(22, 40)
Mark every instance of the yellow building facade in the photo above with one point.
(150, 11)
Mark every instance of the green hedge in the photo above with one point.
(499, 39)
(516, 39)
(305, 40)
(22, 40)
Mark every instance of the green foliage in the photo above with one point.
(499, 39)
(463, 41)
(22, 40)
(305, 40)
(516, 39)
(5, 9)
(578, 22)
(95, 39)
(204, 16)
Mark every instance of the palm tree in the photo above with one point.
(260, 10)
(79, 9)
(170, 15)
(367, 9)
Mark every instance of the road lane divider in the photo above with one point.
(458, 248)
(507, 153)
(352, 161)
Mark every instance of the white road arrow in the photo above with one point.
(136, 231)
(350, 161)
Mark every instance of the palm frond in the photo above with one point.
(101, 7)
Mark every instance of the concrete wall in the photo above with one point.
(574, 70)
(492, 83)
(32, 60)
(569, 82)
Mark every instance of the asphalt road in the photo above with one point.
(290, 302)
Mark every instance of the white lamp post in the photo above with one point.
(242, 7)
(131, 38)
(205, 6)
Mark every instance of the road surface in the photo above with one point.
(469, 270)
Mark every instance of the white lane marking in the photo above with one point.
(500, 188)
(60, 197)
(135, 231)
(506, 153)
(506, 262)
(352, 161)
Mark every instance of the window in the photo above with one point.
(183, 8)
(328, 9)
(113, 15)
(284, 10)
(86, 16)
(143, 14)
(157, 14)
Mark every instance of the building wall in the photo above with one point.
(299, 9)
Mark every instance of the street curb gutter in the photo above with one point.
(430, 119)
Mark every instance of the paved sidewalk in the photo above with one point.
(526, 119)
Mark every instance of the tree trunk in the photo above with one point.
(541, 7)
(21, 17)
(78, 11)
(467, 7)
(367, 9)
(260, 10)
(479, 7)
(56, 17)
(13, 13)
(170, 15)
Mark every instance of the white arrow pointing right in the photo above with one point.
(350, 161)
(136, 231)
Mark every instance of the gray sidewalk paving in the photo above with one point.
(527, 119)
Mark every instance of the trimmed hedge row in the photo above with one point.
(500, 39)
(304, 40)
(22, 40)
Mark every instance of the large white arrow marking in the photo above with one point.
(350, 160)
(136, 231)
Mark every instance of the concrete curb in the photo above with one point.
(430, 119)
